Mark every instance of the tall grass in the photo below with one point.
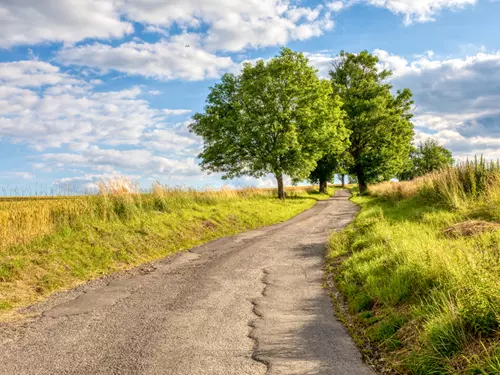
(118, 199)
(454, 186)
(428, 301)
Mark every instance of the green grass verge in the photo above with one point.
(422, 302)
(90, 248)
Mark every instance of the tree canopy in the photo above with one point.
(427, 157)
(327, 167)
(380, 122)
(274, 117)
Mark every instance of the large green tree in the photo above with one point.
(427, 157)
(274, 117)
(380, 122)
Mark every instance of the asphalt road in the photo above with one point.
(247, 304)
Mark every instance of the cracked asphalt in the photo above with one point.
(247, 304)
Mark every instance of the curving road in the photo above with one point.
(247, 304)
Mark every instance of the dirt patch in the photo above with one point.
(208, 224)
(470, 228)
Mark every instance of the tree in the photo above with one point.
(326, 168)
(427, 157)
(324, 172)
(274, 117)
(381, 130)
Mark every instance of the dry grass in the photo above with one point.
(397, 190)
(470, 228)
(24, 219)
(455, 187)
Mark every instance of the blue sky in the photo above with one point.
(99, 88)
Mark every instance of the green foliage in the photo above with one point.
(385, 330)
(274, 117)
(427, 157)
(426, 300)
(381, 130)
(326, 168)
(324, 171)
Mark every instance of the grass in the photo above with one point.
(427, 302)
(49, 244)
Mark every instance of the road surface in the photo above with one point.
(248, 304)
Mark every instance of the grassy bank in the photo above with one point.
(53, 244)
(420, 272)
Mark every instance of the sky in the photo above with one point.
(90, 89)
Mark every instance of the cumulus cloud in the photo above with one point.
(176, 112)
(225, 24)
(34, 21)
(45, 107)
(228, 25)
(33, 73)
(276, 26)
(416, 10)
(234, 24)
(322, 61)
(170, 140)
(137, 160)
(456, 99)
(194, 55)
(179, 57)
(335, 6)
(22, 175)
(413, 11)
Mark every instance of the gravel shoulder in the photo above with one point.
(247, 304)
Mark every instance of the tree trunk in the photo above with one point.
(342, 178)
(281, 188)
(362, 183)
(323, 184)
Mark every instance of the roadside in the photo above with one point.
(419, 286)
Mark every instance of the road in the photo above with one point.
(248, 304)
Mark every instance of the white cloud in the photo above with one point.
(138, 160)
(450, 93)
(176, 112)
(22, 175)
(396, 64)
(230, 25)
(169, 140)
(179, 57)
(335, 6)
(456, 99)
(418, 10)
(45, 107)
(35, 21)
(32, 73)
(234, 24)
(322, 61)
